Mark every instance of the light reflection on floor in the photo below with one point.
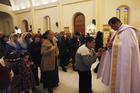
(69, 83)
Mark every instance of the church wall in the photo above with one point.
(39, 15)
(20, 16)
(69, 10)
(60, 12)
(63, 12)
(109, 10)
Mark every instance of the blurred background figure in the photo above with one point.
(98, 46)
(34, 50)
(12, 45)
(2, 45)
(17, 30)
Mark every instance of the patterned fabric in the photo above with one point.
(13, 57)
(16, 84)
(27, 78)
(49, 52)
(8, 90)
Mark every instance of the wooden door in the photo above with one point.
(79, 23)
(25, 26)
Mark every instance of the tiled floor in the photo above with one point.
(69, 83)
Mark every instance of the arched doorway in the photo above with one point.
(79, 23)
(25, 26)
(47, 23)
(6, 23)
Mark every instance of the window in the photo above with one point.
(122, 13)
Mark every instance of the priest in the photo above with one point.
(120, 64)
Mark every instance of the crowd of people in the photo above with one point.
(35, 51)
(23, 54)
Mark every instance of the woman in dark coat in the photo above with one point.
(34, 50)
(5, 77)
(2, 45)
(98, 45)
(13, 61)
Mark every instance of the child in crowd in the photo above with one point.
(9, 73)
(6, 76)
(27, 79)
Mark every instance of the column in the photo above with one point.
(99, 14)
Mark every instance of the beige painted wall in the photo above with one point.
(69, 10)
(39, 16)
(64, 10)
(109, 6)
(61, 12)
(20, 16)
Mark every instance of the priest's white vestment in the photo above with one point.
(120, 65)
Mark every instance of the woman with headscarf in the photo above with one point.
(12, 45)
(34, 50)
(25, 40)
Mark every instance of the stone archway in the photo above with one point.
(6, 23)
(47, 23)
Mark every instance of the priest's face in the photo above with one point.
(114, 26)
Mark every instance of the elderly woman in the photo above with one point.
(49, 66)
